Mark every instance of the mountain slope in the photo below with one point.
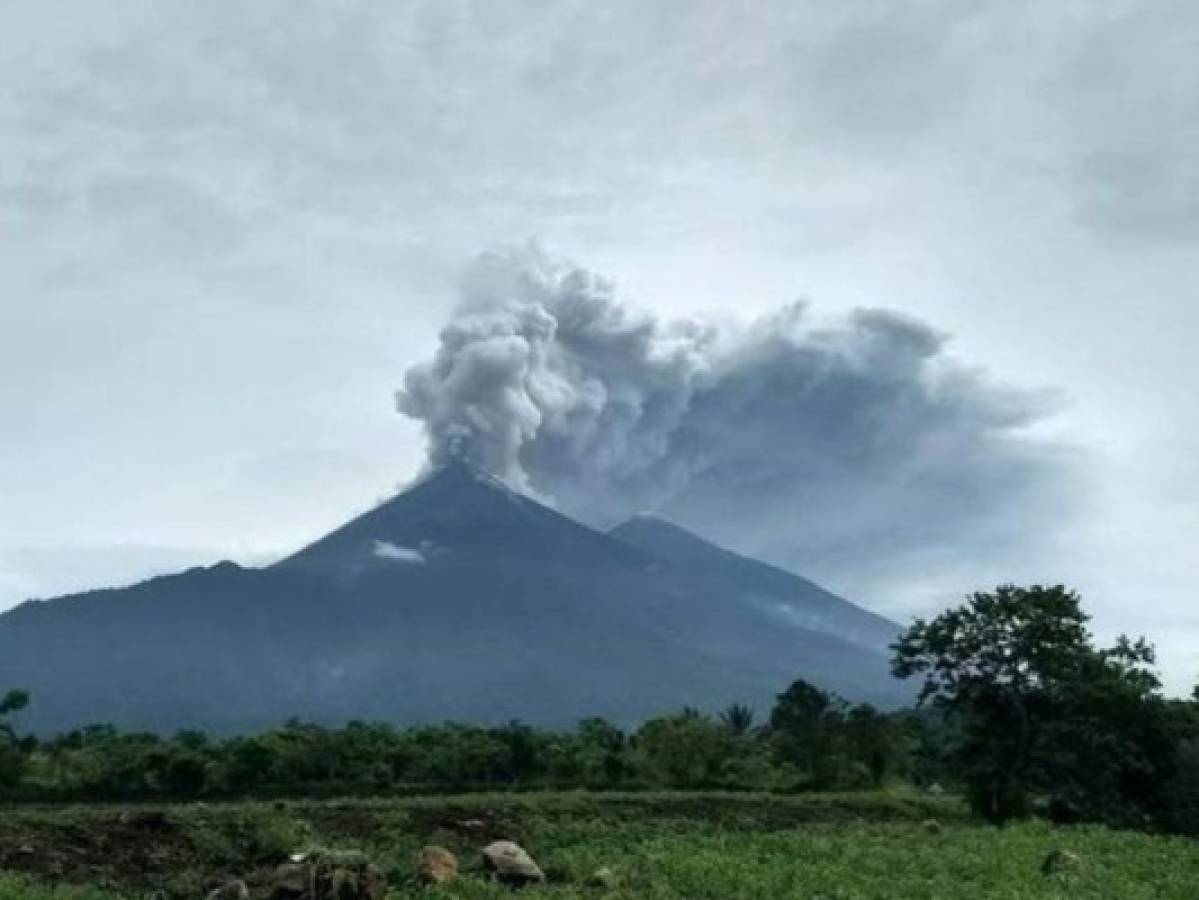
(456, 599)
(796, 599)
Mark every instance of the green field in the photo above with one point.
(658, 846)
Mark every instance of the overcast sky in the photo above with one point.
(227, 230)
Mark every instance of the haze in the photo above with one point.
(230, 230)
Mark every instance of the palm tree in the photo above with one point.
(738, 719)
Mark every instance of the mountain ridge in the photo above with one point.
(458, 598)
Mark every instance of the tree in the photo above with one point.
(186, 775)
(806, 724)
(875, 742)
(248, 763)
(738, 719)
(688, 749)
(526, 757)
(13, 701)
(603, 750)
(12, 756)
(1041, 710)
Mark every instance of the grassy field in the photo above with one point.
(658, 846)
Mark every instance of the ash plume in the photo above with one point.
(798, 439)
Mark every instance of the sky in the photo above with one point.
(229, 232)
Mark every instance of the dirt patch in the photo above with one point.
(181, 850)
(108, 848)
(469, 825)
(352, 821)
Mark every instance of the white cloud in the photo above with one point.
(388, 550)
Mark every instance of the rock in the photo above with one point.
(437, 865)
(511, 863)
(292, 879)
(602, 878)
(326, 875)
(365, 885)
(346, 876)
(932, 826)
(1060, 861)
(234, 889)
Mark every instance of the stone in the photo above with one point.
(602, 878)
(329, 875)
(292, 879)
(511, 863)
(346, 876)
(1060, 861)
(234, 889)
(437, 865)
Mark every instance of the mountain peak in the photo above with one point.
(454, 507)
(457, 598)
(649, 531)
(461, 471)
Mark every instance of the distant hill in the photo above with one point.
(457, 599)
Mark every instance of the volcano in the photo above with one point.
(457, 599)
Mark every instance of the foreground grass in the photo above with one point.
(659, 846)
(17, 887)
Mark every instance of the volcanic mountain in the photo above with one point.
(457, 599)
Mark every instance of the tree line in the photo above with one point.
(1018, 710)
(811, 740)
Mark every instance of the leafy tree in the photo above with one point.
(526, 759)
(875, 742)
(1181, 793)
(186, 775)
(1041, 710)
(604, 751)
(248, 763)
(806, 725)
(1113, 743)
(801, 707)
(687, 749)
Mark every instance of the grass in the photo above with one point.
(20, 887)
(659, 846)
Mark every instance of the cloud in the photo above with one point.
(795, 437)
(289, 195)
(388, 550)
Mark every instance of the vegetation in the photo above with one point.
(659, 845)
(835, 746)
(1042, 711)
(13, 752)
(1019, 712)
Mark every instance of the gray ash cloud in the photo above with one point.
(805, 440)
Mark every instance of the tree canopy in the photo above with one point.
(1042, 711)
